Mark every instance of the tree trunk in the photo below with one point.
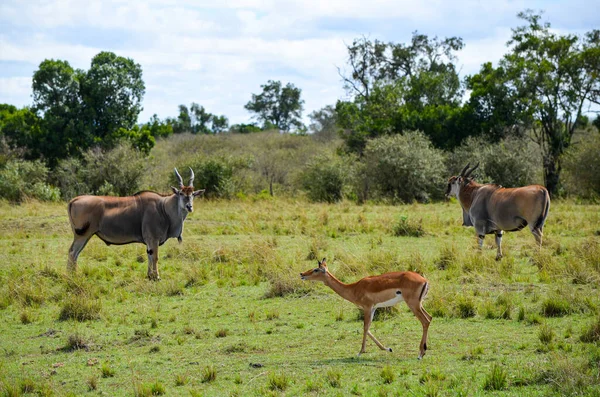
(271, 186)
(552, 168)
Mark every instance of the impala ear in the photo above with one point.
(322, 264)
(199, 192)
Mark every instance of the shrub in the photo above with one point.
(465, 307)
(403, 168)
(504, 163)
(324, 178)
(212, 174)
(582, 166)
(20, 179)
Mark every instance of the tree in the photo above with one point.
(324, 123)
(219, 124)
(399, 87)
(280, 106)
(112, 91)
(198, 121)
(550, 78)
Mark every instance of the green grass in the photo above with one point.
(232, 316)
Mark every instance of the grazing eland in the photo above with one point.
(146, 217)
(491, 208)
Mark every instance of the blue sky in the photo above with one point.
(217, 53)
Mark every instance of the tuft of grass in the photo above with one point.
(313, 386)
(387, 374)
(473, 354)
(432, 376)
(27, 385)
(465, 307)
(555, 306)
(272, 314)
(408, 228)
(334, 378)
(107, 371)
(209, 374)
(278, 381)
(221, 333)
(546, 334)
(154, 349)
(75, 342)
(181, 379)
(92, 383)
(158, 388)
(591, 333)
(26, 317)
(447, 258)
(80, 308)
(521, 315)
(496, 379)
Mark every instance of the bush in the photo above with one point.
(20, 179)
(408, 228)
(213, 174)
(324, 178)
(511, 162)
(582, 166)
(403, 168)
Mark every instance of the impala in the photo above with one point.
(146, 217)
(373, 292)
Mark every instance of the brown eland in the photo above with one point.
(385, 290)
(491, 208)
(146, 217)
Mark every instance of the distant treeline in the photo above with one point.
(404, 129)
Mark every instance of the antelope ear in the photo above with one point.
(322, 264)
(199, 192)
(175, 190)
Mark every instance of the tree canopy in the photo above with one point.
(280, 106)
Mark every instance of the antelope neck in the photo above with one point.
(465, 196)
(339, 288)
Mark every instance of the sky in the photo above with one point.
(218, 53)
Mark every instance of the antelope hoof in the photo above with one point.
(498, 257)
(389, 349)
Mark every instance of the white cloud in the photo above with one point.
(219, 53)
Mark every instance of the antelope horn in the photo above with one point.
(179, 178)
(462, 173)
(471, 170)
(191, 177)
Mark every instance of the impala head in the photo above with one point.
(316, 274)
(455, 183)
(186, 194)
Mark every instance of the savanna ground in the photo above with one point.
(232, 317)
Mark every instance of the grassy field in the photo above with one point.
(232, 317)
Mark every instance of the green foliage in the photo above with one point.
(324, 178)
(213, 174)
(117, 171)
(582, 166)
(21, 180)
(511, 162)
(403, 168)
(278, 106)
(323, 124)
(465, 307)
(244, 128)
(198, 121)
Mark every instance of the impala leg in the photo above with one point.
(424, 318)
(152, 251)
(499, 245)
(368, 315)
(78, 244)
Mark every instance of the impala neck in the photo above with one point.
(343, 290)
(465, 196)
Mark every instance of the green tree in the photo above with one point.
(57, 96)
(219, 124)
(20, 128)
(278, 105)
(551, 77)
(112, 91)
(400, 87)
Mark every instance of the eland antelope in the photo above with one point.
(146, 217)
(494, 209)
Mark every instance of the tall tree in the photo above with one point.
(280, 106)
(549, 78)
(398, 87)
(324, 123)
(112, 91)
